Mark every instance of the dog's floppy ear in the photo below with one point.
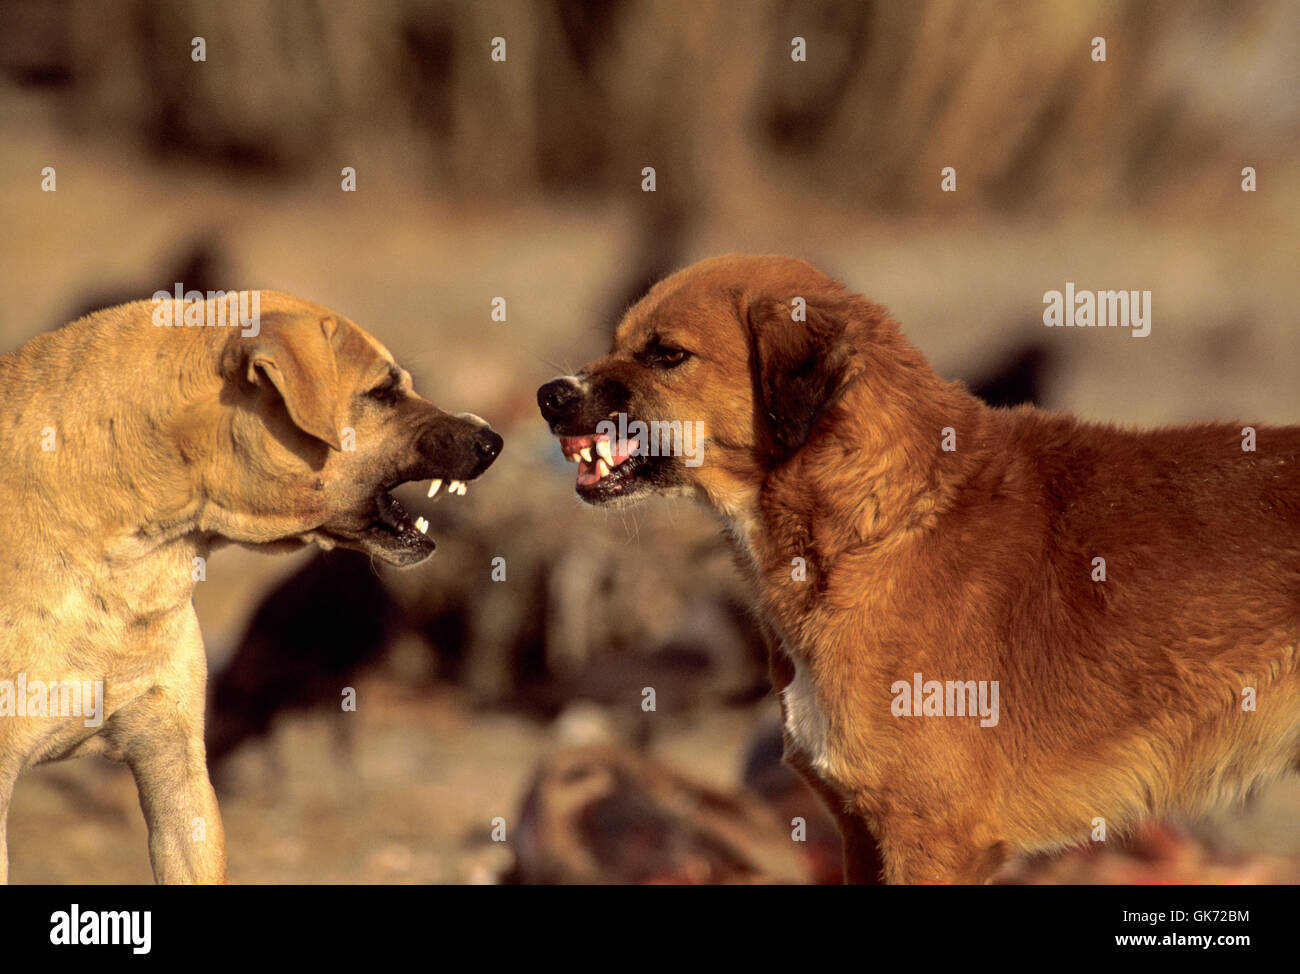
(296, 356)
(799, 363)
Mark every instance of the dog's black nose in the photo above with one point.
(488, 442)
(558, 397)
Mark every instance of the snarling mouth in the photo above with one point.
(396, 530)
(606, 468)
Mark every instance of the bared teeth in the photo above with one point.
(595, 455)
(422, 525)
(434, 485)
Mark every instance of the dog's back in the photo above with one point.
(1141, 610)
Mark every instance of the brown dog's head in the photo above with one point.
(718, 375)
(315, 424)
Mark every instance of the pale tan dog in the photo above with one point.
(135, 441)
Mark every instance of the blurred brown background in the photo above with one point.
(521, 179)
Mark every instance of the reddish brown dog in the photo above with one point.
(996, 631)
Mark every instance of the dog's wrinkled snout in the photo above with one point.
(559, 398)
(461, 446)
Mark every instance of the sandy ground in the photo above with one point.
(407, 797)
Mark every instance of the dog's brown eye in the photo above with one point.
(386, 393)
(663, 356)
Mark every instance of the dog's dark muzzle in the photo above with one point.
(560, 401)
(459, 447)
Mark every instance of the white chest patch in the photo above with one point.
(805, 719)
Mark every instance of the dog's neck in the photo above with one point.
(885, 463)
(109, 494)
(737, 505)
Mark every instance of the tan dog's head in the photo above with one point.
(315, 424)
(718, 375)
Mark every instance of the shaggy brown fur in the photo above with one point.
(1119, 699)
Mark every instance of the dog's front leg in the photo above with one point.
(6, 792)
(938, 853)
(186, 840)
(863, 863)
(160, 736)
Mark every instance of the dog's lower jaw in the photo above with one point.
(400, 551)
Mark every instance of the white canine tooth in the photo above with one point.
(454, 487)
(606, 454)
(585, 453)
(422, 525)
(434, 485)
(601, 469)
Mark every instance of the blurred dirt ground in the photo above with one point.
(410, 799)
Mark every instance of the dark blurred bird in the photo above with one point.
(201, 266)
(1019, 377)
(307, 640)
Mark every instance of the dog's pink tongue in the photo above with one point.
(587, 474)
